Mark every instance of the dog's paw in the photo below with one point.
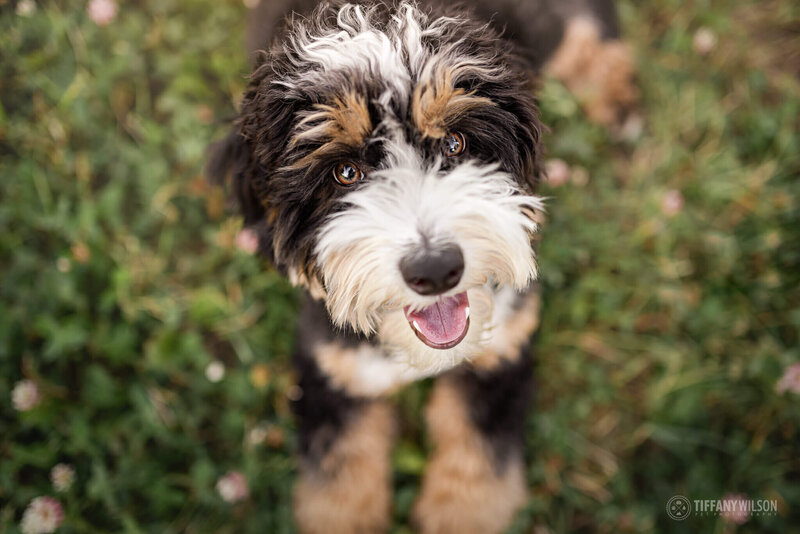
(469, 499)
(359, 508)
(349, 490)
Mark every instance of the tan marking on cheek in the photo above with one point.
(462, 491)
(343, 291)
(343, 123)
(349, 491)
(599, 73)
(437, 104)
(537, 217)
(299, 277)
(512, 335)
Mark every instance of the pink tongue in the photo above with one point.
(444, 322)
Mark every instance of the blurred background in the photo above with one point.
(144, 374)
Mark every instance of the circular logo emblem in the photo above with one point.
(679, 508)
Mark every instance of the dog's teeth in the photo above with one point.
(415, 325)
(466, 312)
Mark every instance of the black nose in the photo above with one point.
(433, 271)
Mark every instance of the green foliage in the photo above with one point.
(663, 335)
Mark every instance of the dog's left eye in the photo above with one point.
(454, 144)
(347, 173)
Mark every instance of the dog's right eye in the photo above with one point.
(347, 173)
(454, 144)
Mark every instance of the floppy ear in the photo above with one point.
(529, 131)
(517, 99)
(246, 159)
(230, 161)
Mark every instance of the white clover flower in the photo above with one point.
(704, 41)
(43, 515)
(102, 12)
(672, 202)
(62, 476)
(790, 381)
(25, 395)
(215, 371)
(735, 508)
(63, 264)
(557, 172)
(247, 241)
(233, 487)
(26, 8)
(258, 434)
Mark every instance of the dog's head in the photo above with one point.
(387, 158)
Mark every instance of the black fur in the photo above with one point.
(498, 401)
(315, 327)
(228, 162)
(322, 411)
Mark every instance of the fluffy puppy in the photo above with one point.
(387, 154)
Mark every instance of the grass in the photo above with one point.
(664, 333)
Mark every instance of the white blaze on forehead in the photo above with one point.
(410, 34)
(353, 45)
(399, 153)
(394, 53)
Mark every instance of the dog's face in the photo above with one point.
(387, 158)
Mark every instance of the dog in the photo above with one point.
(387, 153)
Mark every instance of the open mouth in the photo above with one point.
(442, 325)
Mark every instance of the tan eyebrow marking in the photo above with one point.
(344, 122)
(437, 104)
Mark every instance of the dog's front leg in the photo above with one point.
(475, 480)
(345, 441)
